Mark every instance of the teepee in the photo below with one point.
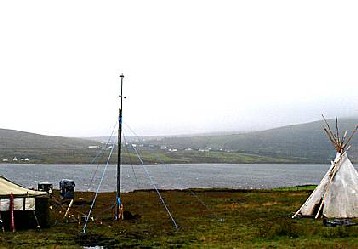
(336, 196)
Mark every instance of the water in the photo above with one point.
(236, 176)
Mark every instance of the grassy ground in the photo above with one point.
(206, 219)
(85, 156)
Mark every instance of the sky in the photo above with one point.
(190, 66)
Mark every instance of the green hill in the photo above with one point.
(299, 143)
(305, 143)
(33, 148)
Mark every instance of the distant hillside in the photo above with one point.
(300, 143)
(305, 143)
(36, 148)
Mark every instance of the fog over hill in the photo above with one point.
(37, 148)
(21, 139)
(304, 143)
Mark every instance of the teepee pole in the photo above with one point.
(349, 139)
(344, 137)
(337, 132)
(328, 185)
(328, 128)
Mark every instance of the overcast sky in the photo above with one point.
(190, 66)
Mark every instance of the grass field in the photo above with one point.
(215, 218)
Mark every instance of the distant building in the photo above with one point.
(93, 147)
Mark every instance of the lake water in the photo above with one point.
(236, 176)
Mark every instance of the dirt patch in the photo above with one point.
(92, 240)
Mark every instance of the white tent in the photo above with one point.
(336, 196)
(24, 199)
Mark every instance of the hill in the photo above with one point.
(34, 148)
(306, 143)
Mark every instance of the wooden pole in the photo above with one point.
(12, 222)
(2, 224)
(68, 209)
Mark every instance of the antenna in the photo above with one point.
(119, 205)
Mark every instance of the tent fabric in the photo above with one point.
(341, 199)
(7, 187)
(336, 196)
(19, 204)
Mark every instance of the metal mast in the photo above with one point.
(118, 194)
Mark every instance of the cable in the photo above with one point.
(100, 153)
(130, 160)
(156, 189)
(180, 182)
(96, 194)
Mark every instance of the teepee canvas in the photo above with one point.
(336, 196)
